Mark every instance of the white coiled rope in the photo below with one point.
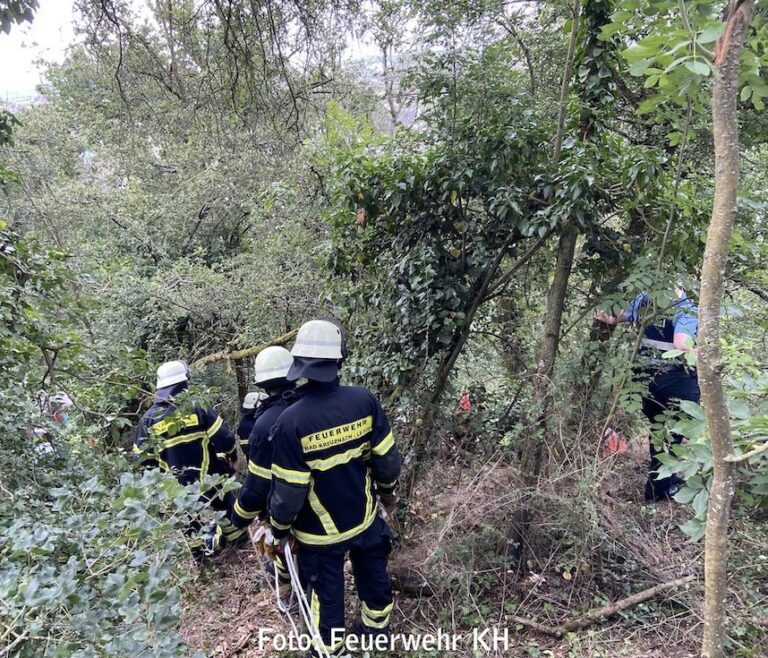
(297, 594)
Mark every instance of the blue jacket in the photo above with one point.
(333, 450)
(245, 427)
(184, 441)
(252, 500)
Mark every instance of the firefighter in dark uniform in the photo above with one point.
(248, 410)
(668, 381)
(334, 453)
(189, 442)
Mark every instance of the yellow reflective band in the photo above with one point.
(314, 609)
(174, 423)
(292, 477)
(231, 535)
(337, 460)
(377, 613)
(215, 427)
(314, 612)
(374, 624)
(279, 526)
(370, 503)
(317, 507)
(262, 472)
(326, 540)
(387, 485)
(206, 458)
(243, 513)
(180, 439)
(335, 436)
(384, 446)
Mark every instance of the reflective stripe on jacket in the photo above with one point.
(333, 450)
(183, 441)
(252, 500)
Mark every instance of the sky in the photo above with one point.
(47, 36)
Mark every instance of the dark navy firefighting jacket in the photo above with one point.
(184, 441)
(333, 450)
(245, 427)
(252, 501)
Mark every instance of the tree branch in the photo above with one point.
(738, 459)
(609, 610)
(697, 47)
(225, 355)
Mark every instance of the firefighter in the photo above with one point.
(251, 403)
(184, 440)
(668, 381)
(334, 453)
(270, 371)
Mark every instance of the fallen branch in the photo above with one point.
(226, 355)
(601, 613)
(738, 459)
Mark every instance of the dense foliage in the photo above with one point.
(202, 177)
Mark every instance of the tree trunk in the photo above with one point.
(534, 451)
(241, 372)
(726, 136)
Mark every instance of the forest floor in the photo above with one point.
(454, 565)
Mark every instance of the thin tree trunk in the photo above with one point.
(241, 372)
(726, 137)
(567, 244)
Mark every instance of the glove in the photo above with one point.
(263, 540)
(389, 500)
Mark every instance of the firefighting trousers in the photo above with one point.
(665, 390)
(322, 570)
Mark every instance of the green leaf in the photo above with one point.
(694, 528)
(686, 495)
(711, 33)
(638, 68)
(692, 409)
(698, 66)
(700, 504)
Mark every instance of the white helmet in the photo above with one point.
(271, 363)
(172, 372)
(318, 339)
(60, 400)
(253, 399)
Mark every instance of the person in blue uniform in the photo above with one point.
(334, 456)
(270, 372)
(188, 441)
(248, 410)
(668, 380)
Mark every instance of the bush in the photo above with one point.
(94, 566)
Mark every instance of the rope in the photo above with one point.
(304, 607)
(298, 595)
